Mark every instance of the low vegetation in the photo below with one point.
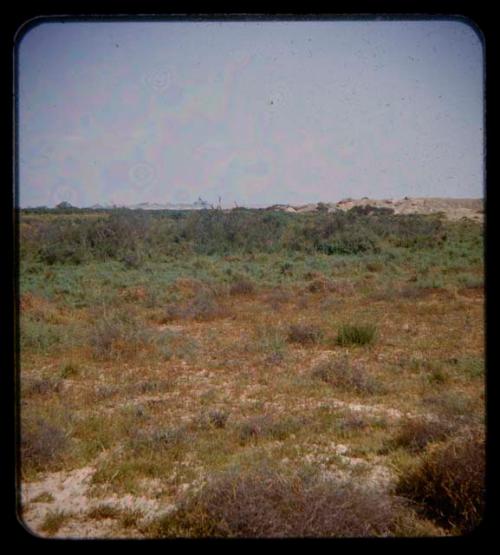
(250, 373)
(448, 483)
(356, 334)
(267, 503)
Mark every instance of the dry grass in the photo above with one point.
(267, 427)
(415, 434)
(342, 374)
(242, 287)
(53, 522)
(205, 306)
(42, 443)
(265, 503)
(448, 483)
(305, 334)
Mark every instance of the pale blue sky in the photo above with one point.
(253, 112)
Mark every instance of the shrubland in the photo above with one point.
(257, 373)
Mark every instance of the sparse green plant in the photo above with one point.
(69, 370)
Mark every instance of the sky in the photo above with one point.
(253, 113)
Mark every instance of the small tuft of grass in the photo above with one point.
(320, 285)
(44, 497)
(41, 444)
(104, 511)
(277, 297)
(53, 521)
(39, 386)
(267, 427)
(242, 286)
(130, 518)
(117, 335)
(415, 434)
(356, 334)
(69, 370)
(452, 405)
(166, 439)
(203, 307)
(351, 422)
(305, 334)
(340, 373)
(218, 418)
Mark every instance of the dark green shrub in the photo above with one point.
(354, 242)
(133, 236)
(356, 334)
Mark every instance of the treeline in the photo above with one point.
(132, 236)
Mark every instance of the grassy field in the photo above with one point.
(250, 374)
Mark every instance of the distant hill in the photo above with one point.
(452, 208)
